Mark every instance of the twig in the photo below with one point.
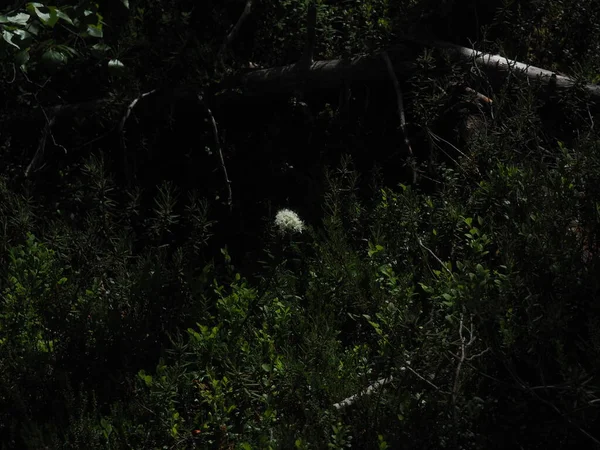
(122, 127)
(482, 98)
(463, 356)
(421, 377)
(436, 258)
(401, 114)
(39, 153)
(50, 130)
(130, 108)
(236, 29)
(219, 151)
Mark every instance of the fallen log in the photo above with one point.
(502, 65)
(333, 72)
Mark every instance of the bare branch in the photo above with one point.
(219, 151)
(400, 101)
(131, 106)
(501, 64)
(436, 258)
(39, 153)
(367, 391)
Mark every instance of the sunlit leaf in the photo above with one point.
(100, 47)
(17, 38)
(47, 14)
(63, 16)
(116, 67)
(8, 37)
(125, 3)
(17, 19)
(95, 31)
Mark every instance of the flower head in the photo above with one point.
(288, 221)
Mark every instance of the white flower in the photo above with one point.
(288, 221)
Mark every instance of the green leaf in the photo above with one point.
(17, 38)
(99, 50)
(115, 67)
(63, 16)
(47, 14)
(125, 3)
(66, 50)
(17, 19)
(8, 37)
(95, 31)
(54, 57)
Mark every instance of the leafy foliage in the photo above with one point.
(456, 312)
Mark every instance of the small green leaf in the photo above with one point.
(54, 57)
(95, 30)
(125, 3)
(115, 67)
(62, 15)
(266, 367)
(99, 47)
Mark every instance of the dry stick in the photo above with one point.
(436, 258)
(482, 98)
(218, 143)
(236, 29)
(130, 108)
(400, 102)
(39, 153)
(463, 356)
(122, 126)
(368, 391)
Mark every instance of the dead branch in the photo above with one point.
(503, 65)
(400, 102)
(463, 344)
(219, 151)
(236, 29)
(122, 125)
(39, 153)
(131, 106)
(321, 74)
(367, 391)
